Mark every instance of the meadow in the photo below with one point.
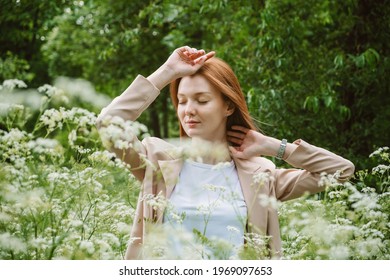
(63, 196)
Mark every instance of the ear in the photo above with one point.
(230, 108)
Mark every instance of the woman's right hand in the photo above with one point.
(185, 61)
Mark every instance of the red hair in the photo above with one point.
(222, 77)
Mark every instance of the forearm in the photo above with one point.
(162, 77)
(132, 102)
(318, 160)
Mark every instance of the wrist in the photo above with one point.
(162, 76)
(269, 146)
(282, 149)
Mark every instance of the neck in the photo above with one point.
(209, 152)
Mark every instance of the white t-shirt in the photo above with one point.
(209, 198)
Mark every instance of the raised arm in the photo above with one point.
(309, 162)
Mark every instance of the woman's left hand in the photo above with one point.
(250, 143)
(247, 141)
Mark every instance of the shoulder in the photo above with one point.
(255, 164)
(159, 148)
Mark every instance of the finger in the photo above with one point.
(234, 152)
(205, 57)
(194, 56)
(210, 55)
(240, 128)
(186, 48)
(197, 54)
(239, 135)
(235, 140)
(200, 60)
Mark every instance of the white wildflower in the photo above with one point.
(269, 201)
(207, 209)
(214, 188)
(381, 169)
(76, 223)
(335, 194)
(87, 246)
(53, 118)
(50, 90)
(222, 165)
(121, 134)
(4, 217)
(155, 201)
(380, 151)
(11, 243)
(82, 90)
(14, 83)
(45, 146)
(20, 162)
(329, 180)
(364, 201)
(111, 239)
(57, 176)
(369, 247)
(31, 199)
(82, 150)
(40, 243)
(233, 229)
(14, 136)
(11, 110)
(262, 178)
(123, 228)
(256, 239)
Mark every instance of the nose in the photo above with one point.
(190, 109)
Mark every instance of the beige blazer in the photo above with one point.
(160, 174)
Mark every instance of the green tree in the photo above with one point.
(24, 27)
(310, 69)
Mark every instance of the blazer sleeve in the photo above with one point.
(309, 162)
(129, 106)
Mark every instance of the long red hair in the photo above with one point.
(222, 77)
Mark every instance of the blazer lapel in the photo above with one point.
(257, 214)
(170, 170)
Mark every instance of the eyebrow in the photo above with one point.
(195, 94)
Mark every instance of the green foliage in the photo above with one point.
(24, 27)
(316, 70)
(309, 69)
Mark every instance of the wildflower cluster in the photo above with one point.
(63, 196)
(55, 203)
(350, 222)
(120, 134)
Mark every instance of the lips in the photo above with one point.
(191, 123)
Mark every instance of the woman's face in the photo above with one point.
(202, 110)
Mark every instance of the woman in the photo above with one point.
(211, 109)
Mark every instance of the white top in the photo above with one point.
(209, 198)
